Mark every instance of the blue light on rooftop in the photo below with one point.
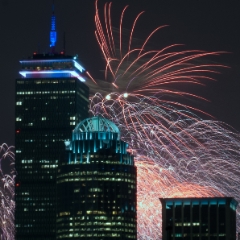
(48, 60)
(53, 23)
(53, 33)
(78, 66)
(52, 73)
(53, 38)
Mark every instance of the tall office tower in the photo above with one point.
(199, 218)
(96, 185)
(50, 99)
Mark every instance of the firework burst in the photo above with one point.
(177, 153)
(155, 182)
(7, 185)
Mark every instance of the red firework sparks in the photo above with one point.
(177, 153)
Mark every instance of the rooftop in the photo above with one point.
(96, 124)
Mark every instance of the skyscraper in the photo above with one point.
(50, 99)
(199, 218)
(96, 185)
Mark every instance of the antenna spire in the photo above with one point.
(53, 33)
(64, 42)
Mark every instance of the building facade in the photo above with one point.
(96, 185)
(50, 99)
(199, 218)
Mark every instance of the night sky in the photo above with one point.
(204, 25)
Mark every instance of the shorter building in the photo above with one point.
(199, 218)
(96, 185)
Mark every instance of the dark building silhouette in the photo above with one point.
(199, 218)
(96, 185)
(50, 99)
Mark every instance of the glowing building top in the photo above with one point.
(96, 127)
(52, 64)
(96, 124)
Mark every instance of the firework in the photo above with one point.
(155, 182)
(177, 153)
(7, 186)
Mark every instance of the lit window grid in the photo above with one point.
(199, 218)
(30, 103)
(35, 102)
(97, 220)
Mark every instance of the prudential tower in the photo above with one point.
(51, 98)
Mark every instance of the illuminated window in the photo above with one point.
(19, 103)
(64, 213)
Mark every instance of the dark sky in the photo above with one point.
(206, 25)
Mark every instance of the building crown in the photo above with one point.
(96, 124)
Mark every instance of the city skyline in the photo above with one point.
(190, 45)
(215, 31)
